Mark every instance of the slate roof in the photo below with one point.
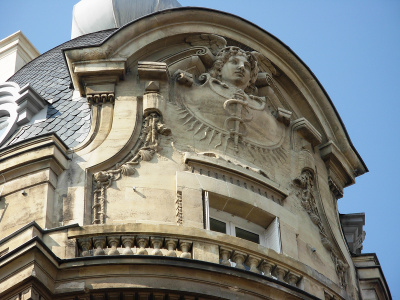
(48, 74)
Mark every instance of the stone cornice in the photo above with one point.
(340, 171)
(83, 73)
(126, 44)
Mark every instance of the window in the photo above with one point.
(225, 221)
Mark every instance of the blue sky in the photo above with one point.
(353, 48)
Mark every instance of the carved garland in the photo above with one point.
(152, 127)
(306, 183)
(178, 202)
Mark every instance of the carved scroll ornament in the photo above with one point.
(152, 128)
(305, 183)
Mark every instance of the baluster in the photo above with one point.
(158, 296)
(253, 262)
(156, 243)
(113, 242)
(99, 243)
(266, 268)
(280, 272)
(171, 246)
(143, 295)
(293, 278)
(185, 247)
(127, 241)
(98, 296)
(85, 244)
(239, 257)
(225, 255)
(142, 242)
(114, 296)
(173, 297)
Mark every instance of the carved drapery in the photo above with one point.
(152, 128)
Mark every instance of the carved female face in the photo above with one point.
(236, 71)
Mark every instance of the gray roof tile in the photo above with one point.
(48, 75)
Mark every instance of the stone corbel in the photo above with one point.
(263, 79)
(284, 116)
(100, 90)
(303, 127)
(29, 104)
(97, 77)
(153, 73)
(340, 173)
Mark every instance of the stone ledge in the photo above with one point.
(241, 171)
(33, 150)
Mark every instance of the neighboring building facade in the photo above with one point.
(15, 52)
(186, 155)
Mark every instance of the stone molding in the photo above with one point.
(52, 278)
(352, 225)
(251, 176)
(30, 156)
(169, 239)
(370, 276)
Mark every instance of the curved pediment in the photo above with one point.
(188, 39)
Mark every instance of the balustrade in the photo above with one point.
(182, 248)
(134, 245)
(259, 265)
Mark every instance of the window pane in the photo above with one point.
(216, 225)
(247, 235)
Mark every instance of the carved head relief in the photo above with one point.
(236, 67)
(222, 106)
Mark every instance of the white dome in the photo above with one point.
(95, 15)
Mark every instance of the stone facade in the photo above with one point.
(211, 170)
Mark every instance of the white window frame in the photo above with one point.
(269, 237)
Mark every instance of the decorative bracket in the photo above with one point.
(100, 90)
(307, 131)
(154, 71)
(99, 73)
(284, 116)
